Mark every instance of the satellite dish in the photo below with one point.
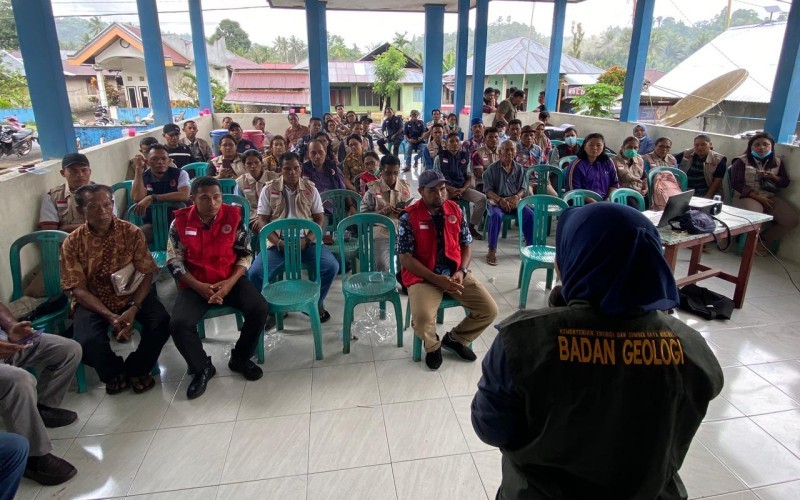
(704, 98)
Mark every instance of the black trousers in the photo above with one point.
(91, 332)
(190, 307)
(395, 146)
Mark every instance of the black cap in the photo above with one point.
(171, 128)
(431, 178)
(74, 159)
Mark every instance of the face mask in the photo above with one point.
(571, 141)
(630, 153)
(758, 156)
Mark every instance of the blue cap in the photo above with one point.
(476, 121)
(431, 178)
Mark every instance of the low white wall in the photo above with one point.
(21, 196)
(277, 123)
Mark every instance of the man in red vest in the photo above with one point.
(434, 248)
(209, 254)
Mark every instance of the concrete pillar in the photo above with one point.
(432, 66)
(554, 62)
(38, 43)
(200, 55)
(479, 56)
(101, 86)
(316, 26)
(154, 61)
(784, 108)
(462, 46)
(637, 60)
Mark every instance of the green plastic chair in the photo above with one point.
(539, 255)
(227, 186)
(578, 197)
(50, 244)
(196, 169)
(556, 142)
(679, 174)
(127, 186)
(544, 172)
(161, 222)
(507, 218)
(292, 292)
(368, 285)
(622, 195)
(563, 162)
(338, 199)
(447, 302)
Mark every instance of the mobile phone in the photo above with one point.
(227, 164)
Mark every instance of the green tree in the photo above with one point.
(577, 39)
(448, 61)
(260, 53)
(187, 85)
(236, 39)
(339, 51)
(96, 25)
(613, 76)
(598, 100)
(218, 93)
(400, 40)
(281, 47)
(13, 89)
(297, 49)
(389, 68)
(8, 27)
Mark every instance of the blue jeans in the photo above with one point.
(495, 224)
(328, 267)
(410, 148)
(427, 161)
(13, 459)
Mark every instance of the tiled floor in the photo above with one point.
(373, 424)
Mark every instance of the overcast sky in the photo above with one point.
(264, 24)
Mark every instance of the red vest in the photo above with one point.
(209, 252)
(425, 237)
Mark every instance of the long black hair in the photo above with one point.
(770, 162)
(603, 157)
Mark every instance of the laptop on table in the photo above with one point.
(677, 204)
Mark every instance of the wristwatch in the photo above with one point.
(465, 270)
(134, 304)
(154, 196)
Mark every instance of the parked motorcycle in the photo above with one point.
(101, 116)
(15, 138)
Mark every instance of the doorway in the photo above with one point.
(133, 98)
(145, 97)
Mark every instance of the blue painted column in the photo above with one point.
(316, 26)
(38, 42)
(432, 66)
(784, 108)
(154, 61)
(637, 60)
(554, 62)
(479, 56)
(462, 47)
(200, 55)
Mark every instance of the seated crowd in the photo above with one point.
(465, 183)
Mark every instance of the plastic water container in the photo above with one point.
(256, 137)
(216, 135)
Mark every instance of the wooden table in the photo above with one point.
(740, 222)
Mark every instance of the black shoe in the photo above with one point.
(458, 348)
(324, 315)
(250, 370)
(56, 417)
(407, 169)
(49, 470)
(199, 382)
(434, 359)
(271, 322)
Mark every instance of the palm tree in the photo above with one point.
(281, 46)
(400, 41)
(297, 49)
(96, 25)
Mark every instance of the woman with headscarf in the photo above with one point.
(541, 140)
(646, 144)
(600, 398)
(756, 178)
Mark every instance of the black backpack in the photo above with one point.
(705, 303)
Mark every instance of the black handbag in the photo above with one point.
(705, 303)
(697, 222)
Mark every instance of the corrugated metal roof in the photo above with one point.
(239, 62)
(754, 48)
(268, 97)
(520, 55)
(177, 57)
(269, 80)
(359, 72)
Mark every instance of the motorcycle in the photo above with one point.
(101, 116)
(16, 139)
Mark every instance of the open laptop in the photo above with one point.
(677, 204)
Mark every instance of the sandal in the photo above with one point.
(116, 385)
(142, 384)
(491, 259)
